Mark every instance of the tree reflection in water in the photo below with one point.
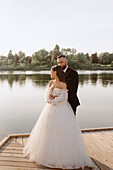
(104, 79)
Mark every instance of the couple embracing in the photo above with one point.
(56, 139)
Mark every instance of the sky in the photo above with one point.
(31, 25)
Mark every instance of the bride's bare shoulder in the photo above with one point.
(63, 85)
(50, 83)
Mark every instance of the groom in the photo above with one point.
(71, 77)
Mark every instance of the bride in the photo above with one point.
(56, 139)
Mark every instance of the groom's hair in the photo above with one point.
(61, 56)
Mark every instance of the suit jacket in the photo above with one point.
(71, 77)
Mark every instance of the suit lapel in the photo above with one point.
(67, 76)
(67, 70)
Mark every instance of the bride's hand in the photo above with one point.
(54, 97)
(51, 96)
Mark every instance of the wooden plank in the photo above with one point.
(16, 155)
(12, 142)
(12, 148)
(109, 135)
(98, 157)
(24, 165)
(14, 145)
(19, 135)
(25, 141)
(39, 167)
(106, 141)
(17, 164)
(11, 151)
(103, 146)
(16, 159)
(20, 140)
(16, 168)
(11, 164)
(2, 143)
(97, 129)
(94, 155)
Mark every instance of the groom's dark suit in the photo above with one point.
(71, 77)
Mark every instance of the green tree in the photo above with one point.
(94, 58)
(10, 55)
(56, 52)
(39, 55)
(82, 58)
(22, 60)
(69, 51)
(104, 58)
(10, 61)
(21, 54)
(16, 58)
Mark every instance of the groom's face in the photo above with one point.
(62, 62)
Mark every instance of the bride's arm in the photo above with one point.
(55, 99)
(49, 95)
(48, 91)
(61, 97)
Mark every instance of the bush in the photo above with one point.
(76, 65)
(10, 61)
(112, 64)
(96, 65)
(36, 63)
(43, 62)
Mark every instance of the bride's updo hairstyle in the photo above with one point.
(59, 72)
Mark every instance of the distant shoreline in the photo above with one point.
(48, 68)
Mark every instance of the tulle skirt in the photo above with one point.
(56, 140)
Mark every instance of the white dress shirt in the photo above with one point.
(65, 69)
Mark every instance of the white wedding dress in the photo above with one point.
(56, 139)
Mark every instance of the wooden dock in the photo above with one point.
(99, 143)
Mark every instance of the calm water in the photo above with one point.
(22, 98)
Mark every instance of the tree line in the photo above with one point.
(45, 59)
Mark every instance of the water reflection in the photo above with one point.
(37, 79)
(22, 98)
(93, 78)
(104, 79)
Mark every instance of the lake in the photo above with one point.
(22, 98)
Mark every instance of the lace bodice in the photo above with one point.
(62, 95)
